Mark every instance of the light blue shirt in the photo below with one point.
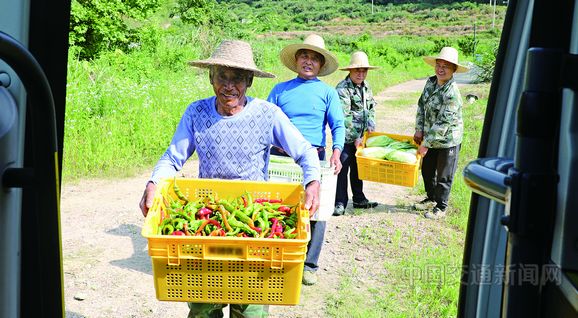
(235, 147)
(311, 105)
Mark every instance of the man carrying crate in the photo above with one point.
(359, 111)
(311, 105)
(232, 134)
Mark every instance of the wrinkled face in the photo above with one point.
(358, 75)
(444, 71)
(230, 86)
(308, 63)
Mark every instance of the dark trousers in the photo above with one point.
(317, 227)
(438, 169)
(349, 166)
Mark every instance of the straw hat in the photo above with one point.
(358, 60)
(448, 54)
(312, 42)
(234, 54)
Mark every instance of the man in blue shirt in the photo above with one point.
(232, 134)
(311, 105)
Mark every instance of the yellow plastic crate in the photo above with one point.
(386, 171)
(292, 172)
(231, 270)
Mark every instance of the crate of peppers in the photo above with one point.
(227, 241)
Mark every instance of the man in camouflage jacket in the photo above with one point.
(439, 129)
(359, 112)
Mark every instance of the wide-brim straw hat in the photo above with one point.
(312, 42)
(358, 60)
(448, 54)
(234, 54)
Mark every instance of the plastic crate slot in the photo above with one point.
(255, 282)
(235, 282)
(194, 265)
(194, 280)
(256, 267)
(215, 294)
(195, 294)
(262, 251)
(253, 296)
(235, 295)
(276, 282)
(275, 297)
(174, 293)
(235, 266)
(214, 266)
(174, 279)
(215, 281)
(192, 249)
(277, 271)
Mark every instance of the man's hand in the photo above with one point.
(358, 142)
(147, 198)
(335, 160)
(418, 137)
(422, 150)
(312, 197)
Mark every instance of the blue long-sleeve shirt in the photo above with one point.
(311, 105)
(235, 147)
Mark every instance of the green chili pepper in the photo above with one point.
(168, 229)
(245, 219)
(238, 224)
(178, 192)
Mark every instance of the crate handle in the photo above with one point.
(172, 256)
(277, 261)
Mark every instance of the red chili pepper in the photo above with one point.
(285, 209)
(260, 200)
(275, 200)
(244, 201)
(204, 213)
(178, 233)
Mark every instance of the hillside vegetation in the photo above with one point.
(133, 93)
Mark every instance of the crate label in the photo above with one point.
(225, 250)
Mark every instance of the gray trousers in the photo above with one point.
(438, 169)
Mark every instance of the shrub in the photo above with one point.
(103, 25)
(467, 44)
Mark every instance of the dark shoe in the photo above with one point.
(364, 205)
(339, 210)
(435, 214)
(424, 204)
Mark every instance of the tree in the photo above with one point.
(98, 25)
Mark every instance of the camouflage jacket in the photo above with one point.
(358, 108)
(439, 114)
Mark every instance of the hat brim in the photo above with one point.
(220, 62)
(351, 67)
(431, 60)
(287, 57)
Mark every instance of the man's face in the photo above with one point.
(444, 70)
(308, 63)
(230, 86)
(358, 75)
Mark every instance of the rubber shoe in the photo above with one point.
(435, 214)
(364, 205)
(309, 278)
(339, 210)
(424, 204)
